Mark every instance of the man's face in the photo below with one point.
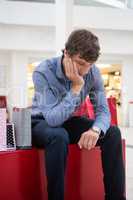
(82, 65)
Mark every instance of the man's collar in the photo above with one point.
(59, 69)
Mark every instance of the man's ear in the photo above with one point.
(65, 52)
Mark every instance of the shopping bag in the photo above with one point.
(85, 109)
(21, 117)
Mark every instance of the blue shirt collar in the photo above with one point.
(59, 70)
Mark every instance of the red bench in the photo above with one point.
(22, 175)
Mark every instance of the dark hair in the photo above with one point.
(84, 43)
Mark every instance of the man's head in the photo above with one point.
(83, 48)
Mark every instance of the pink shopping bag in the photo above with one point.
(3, 145)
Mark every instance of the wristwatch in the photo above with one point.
(96, 129)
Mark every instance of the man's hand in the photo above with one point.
(88, 139)
(72, 74)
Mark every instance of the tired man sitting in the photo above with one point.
(61, 85)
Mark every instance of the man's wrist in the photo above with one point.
(96, 129)
(76, 89)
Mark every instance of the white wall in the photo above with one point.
(27, 13)
(43, 14)
(29, 38)
(16, 37)
(115, 41)
(4, 64)
(103, 18)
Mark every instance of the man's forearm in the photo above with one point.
(102, 121)
(58, 114)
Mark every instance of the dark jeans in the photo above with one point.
(55, 140)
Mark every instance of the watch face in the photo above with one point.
(96, 129)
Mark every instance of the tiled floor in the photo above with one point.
(127, 133)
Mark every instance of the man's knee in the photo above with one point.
(62, 136)
(58, 135)
(43, 134)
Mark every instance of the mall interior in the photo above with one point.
(33, 30)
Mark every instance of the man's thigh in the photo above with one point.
(75, 126)
(43, 134)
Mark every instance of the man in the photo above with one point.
(61, 85)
